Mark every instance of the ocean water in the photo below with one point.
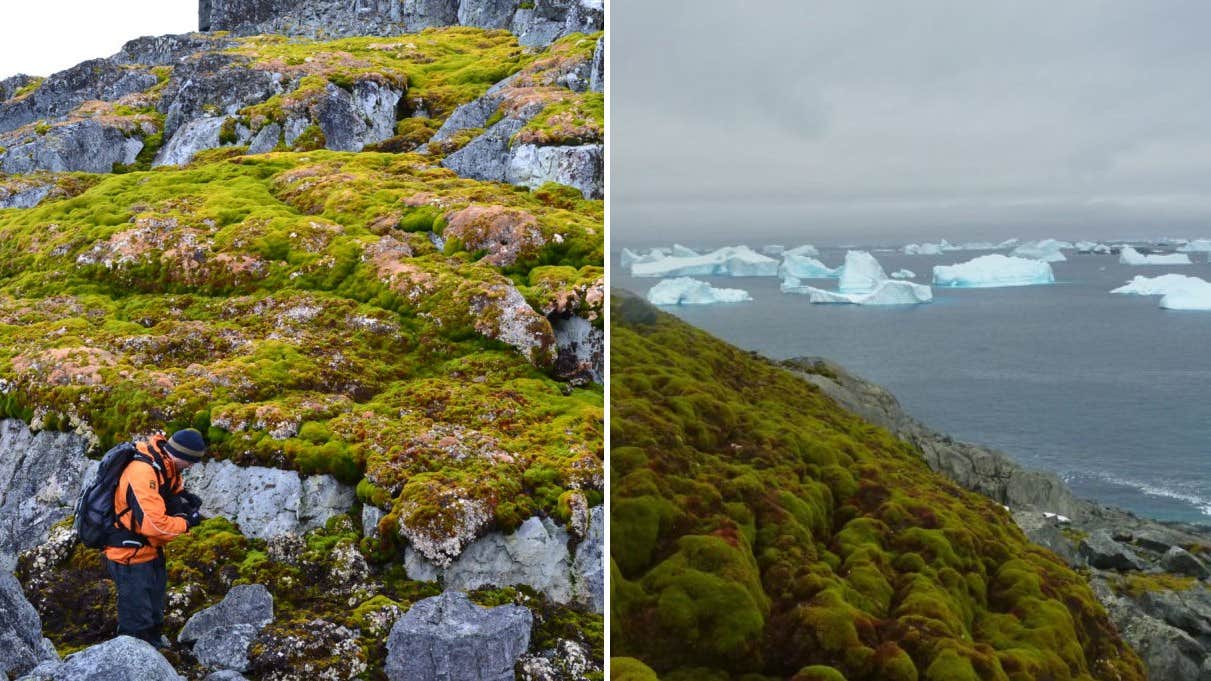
(1108, 391)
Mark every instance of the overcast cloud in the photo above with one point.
(911, 120)
(41, 37)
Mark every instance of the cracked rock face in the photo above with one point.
(97, 79)
(84, 146)
(449, 637)
(21, 644)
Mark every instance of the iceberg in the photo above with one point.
(1008, 243)
(1196, 246)
(629, 257)
(1091, 247)
(923, 249)
(680, 251)
(861, 273)
(903, 274)
(730, 261)
(688, 291)
(806, 249)
(1048, 250)
(989, 271)
(1179, 291)
(887, 292)
(1130, 256)
(803, 267)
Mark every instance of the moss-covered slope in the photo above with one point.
(759, 531)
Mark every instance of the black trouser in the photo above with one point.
(141, 594)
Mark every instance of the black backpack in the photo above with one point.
(95, 518)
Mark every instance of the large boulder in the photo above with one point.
(21, 644)
(119, 659)
(351, 119)
(422, 14)
(580, 166)
(87, 146)
(247, 604)
(196, 135)
(1181, 561)
(487, 13)
(167, 50)
(473, 114)
(25, 196)
(266, 502)
(1101, 551)
(487, 157)
(448, 637)
(535, 555)
(40, 479)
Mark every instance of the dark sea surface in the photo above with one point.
(1109, 391)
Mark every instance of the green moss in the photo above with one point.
(27, 89)
(758, 528)
(576, 119)
(1136, 584)
(630, 669)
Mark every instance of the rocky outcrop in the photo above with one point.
(588, 566)
(352, 119)
(1101, 551)
(97, 79)
(267, 502)
(21, 644)
(488, 156)
(40, 479)
(576, 166)
(222, 634)
(167, 50)
(196, 135)
(85, 146)
(449, 637)
(977, 468)
(539, 24)
(26, 196)
(214, 84)
(119, 659)
(597, 73)
(581, 349)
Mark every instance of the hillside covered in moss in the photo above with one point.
(761, 532)
(264, 237)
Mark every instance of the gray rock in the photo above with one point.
(247, 604)
(1188, 610)
(231, 15)
(1046, 533)
(226, 647)
(567, 661)
(1179, 560)
(1167, 652)
(535, 30)
(45, 671)
(85, 146)
(27, 197)
(580, 166)
(422, 14)
(119, 659)
(9, 87)
(448, 637)
(487, 13)
(581, 348)
(65, 90)
(167, 50)
(486, 157)
(581, 16)
(225, 675)
(1101, 551)
(266, 139)
(597, 74)
(295, 127)
(371, 515)
(535, 555)
(214, 84)
(21, 644)
(40, 479)
(473, 114)
(351, 120)
(196, 135)
(588, 568)
(266, 502)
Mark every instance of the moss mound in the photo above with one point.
(758, 529)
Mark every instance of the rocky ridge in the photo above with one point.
(1152, 577)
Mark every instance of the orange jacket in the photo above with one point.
(139, 490)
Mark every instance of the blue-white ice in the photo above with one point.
(730, 261)
(1130, 256)
(903, 274)
(1179, 291)
(806, 250)
(629, 257)
(803, 267)
(1196, 246)
(925, 249)
(861, 273)
(1049, 250)
(990, 271)
(887, 292)
(687, 291)
(1091, 247)
(680, 251)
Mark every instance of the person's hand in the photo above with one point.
(193, 500)
(192, 519)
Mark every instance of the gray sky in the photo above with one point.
(889, 120)
(41, 37)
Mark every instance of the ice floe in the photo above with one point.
(1178, 291)
(1049, 250)
(995, 270)
(688, 291)
(730, 261)
(1130, 256)
(804, 267)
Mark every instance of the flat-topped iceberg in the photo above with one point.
(806, 249)
(1196, 246)
(729, 261)
(990, 271)
(887, 292)
(804, 267)
(688, 291)
(861, 273)
(903, 274)
(1179, 291)
(1130, 256)
(1049, 250)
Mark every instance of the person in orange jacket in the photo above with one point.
(153, 508)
